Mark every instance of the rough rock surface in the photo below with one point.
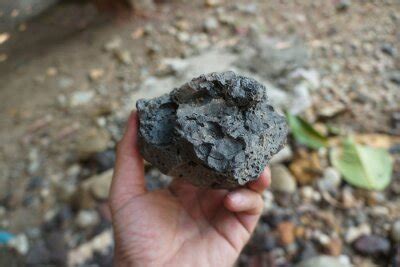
(217, 130)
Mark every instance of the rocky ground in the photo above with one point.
(70, 77)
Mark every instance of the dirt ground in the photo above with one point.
(69, 77)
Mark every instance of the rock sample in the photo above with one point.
(218, 130)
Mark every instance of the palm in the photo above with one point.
(190, 220)
(179, 226)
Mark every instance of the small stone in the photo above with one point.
(334, 247)
(65, 82)
(87, 218)
(331, 109)
(348, 199)
(395, 234)
(323, 261)
(124, 56)
(113, 44)
(212, 3)
(388, 49)
(81, 98)
(210, 24)
(51, 71)
(305, 167)
(372, 245)
(309, 194)
(91, 141)
(307, 251)
(101, 161)
(286, 233)
(354, 233)
(395, 77)
(331, 180)
(282, 179)
(95, 74)
(20, 243)
(342, 5)
(286, 154)
(94, 188)
(4, 37)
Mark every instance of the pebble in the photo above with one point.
(285, 154)
(79, 98)
(124, 56)
(92, 140)
(331, 180)
(20, 243)
(282, 179)
(307, 251)
(102, 161)
(212, 3)
(286, 233)
(342, 5)
(334, 247)
(210, 24)
(395, 77)
(87, 218)
(97, 186)
(34, 161)
(113, 44)
(309, 194)
(323, 261)
(65, 82)
(372, 245)
(355, 232)
(388, 49)
(395, 233)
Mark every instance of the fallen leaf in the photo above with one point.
(305, 134)
(363, 166)
(373, 140)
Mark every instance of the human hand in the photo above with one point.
(182, 225)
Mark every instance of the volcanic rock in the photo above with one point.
(218, 130)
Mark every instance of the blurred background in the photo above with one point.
(71, 72)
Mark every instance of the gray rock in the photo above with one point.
(331, 180)
(343, 5)
(210, 24)
(217, 130)
(87, 218)
(323, 261)
(372, 245)
(274, 58)
(286, 154)
(282, 179)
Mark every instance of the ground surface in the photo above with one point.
(69, 77)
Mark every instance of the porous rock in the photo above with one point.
(218, 130)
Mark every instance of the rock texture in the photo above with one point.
(217, 130)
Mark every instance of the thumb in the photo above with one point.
(128, 180)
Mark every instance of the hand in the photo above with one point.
(180, 226)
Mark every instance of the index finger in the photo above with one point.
(262, 182)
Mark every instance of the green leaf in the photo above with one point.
(305, 134)
(363, 166)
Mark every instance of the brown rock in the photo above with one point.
(334, 247)
(91, 141)
(286, 233)
(306, 167)
(96, 188)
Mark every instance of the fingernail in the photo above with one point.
(236, 197)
